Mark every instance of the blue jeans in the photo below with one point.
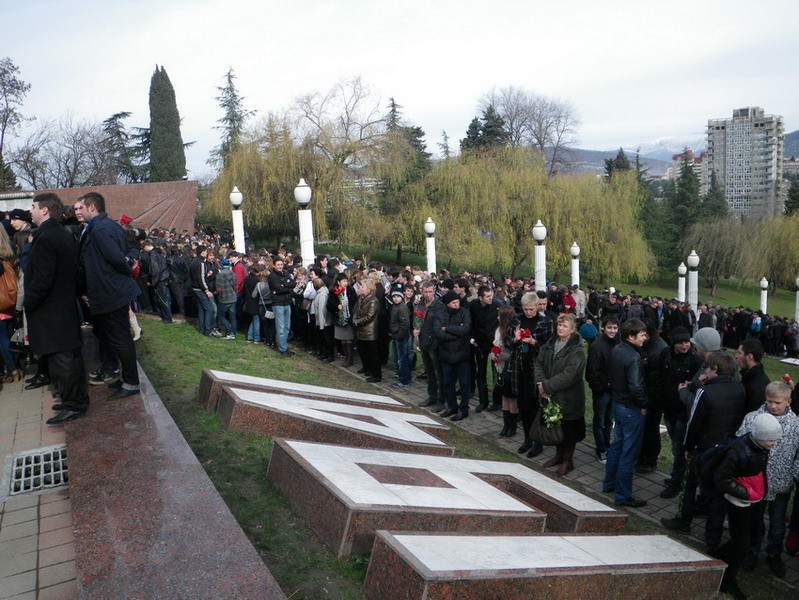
(777, 510)
(402, 352)
(282, 324)
(628, 435)
(227, 316)
(676, 429)
(254, 330)
(206, 312)
(603, 421)
(462, 373)
(5, 347)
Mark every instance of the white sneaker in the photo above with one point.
(602, 458)
(230, 336)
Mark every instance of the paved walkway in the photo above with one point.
(37, 553)
(588, 472)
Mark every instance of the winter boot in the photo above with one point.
(557, 459)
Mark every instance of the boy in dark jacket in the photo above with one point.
(399, 328)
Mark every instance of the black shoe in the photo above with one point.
(429, 402)
(421, 376)
(38, 382)
(670, 491)
(750, 561)
(115, 385)
(525, 446)
(447, 413)
(36, 378)
(774, 562)
(494, 408)
(361, 371)
(733, 590)
(480, 408)
(438, 408)
(460, 416)
(373, 379)
(631, 502)
(66, 415)
(123, 393)
(59, 406)
(676, 524)
(535, 450)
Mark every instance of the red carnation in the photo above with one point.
(525, 333)
(496, 350)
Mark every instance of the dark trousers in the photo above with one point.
(461, 373)
(115, 328)
(163, 300)
(179, 292)
(650, 448)
(433, 369)
(480, 356)
(734, 550)
(69, 376)
(370, 357)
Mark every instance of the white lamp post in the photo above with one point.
(540, 256)
(796, 309)
(236, 198)
(430, 242)
(681, 271)
(575, 252)
(302, 194)
(693, 279)
(764, 295)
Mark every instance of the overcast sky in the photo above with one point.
(635, 70)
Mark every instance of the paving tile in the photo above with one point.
(58, 573)
(55, 522)
(13, 532)
(55, 496)
(24, 596)
(18, 546)
(18, 584)
(21, 516)
(20, 502)
(56, 554)
(56, 537)
(62, 591)
(55, 508)
(18, 563)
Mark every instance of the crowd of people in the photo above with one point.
(516, 349)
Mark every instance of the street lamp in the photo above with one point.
(693, 280)
(302, 194)
(575, 252)
(430, 229)
(540, 256)
(681, 271)
(764, 295)
(236, 198)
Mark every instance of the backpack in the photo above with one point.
(709, 460)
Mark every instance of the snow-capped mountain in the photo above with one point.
(665, 147)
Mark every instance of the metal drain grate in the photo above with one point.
(38, 470)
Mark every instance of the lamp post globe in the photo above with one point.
(539, 232)
(429, 226)
(693, 260)
(303, 193)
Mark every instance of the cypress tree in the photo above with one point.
(792, 202)
(167, 157)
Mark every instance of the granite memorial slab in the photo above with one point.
(422, 566)
(295, 417)
(346, 494)
(211, 383)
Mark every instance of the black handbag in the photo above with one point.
(546, 436)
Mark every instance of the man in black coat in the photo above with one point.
(452, 327)
(53, 323)
(749, 356)
(598, 377)
(483, 312)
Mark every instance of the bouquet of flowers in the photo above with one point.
(524, 334)
(495, 352)
(553, 414)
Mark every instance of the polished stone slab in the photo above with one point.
(295, 417)
(211, 383)
(412, 566)
(346, 494)
(148, 521)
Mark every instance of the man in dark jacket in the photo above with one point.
(281, 284)
(204, 295)
(629, 413)
(678, 364)
(598, 378)
(452, 327)
(717, 411)
(53, 323)
(424, 310)
(483, 313)
(159, 280)
(749, 356)
(111, 289)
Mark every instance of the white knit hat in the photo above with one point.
(766, 428)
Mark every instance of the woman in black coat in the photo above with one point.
(559, 370)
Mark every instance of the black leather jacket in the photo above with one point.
(627, 376)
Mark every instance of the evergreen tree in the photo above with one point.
(620, 163)
(167, 156)
(444, 145)
(472, 139)
(231, 124)
(393, 117)
(683, 208)
(8, 180)
(131, 151)
(714, 204)
(792, 202)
